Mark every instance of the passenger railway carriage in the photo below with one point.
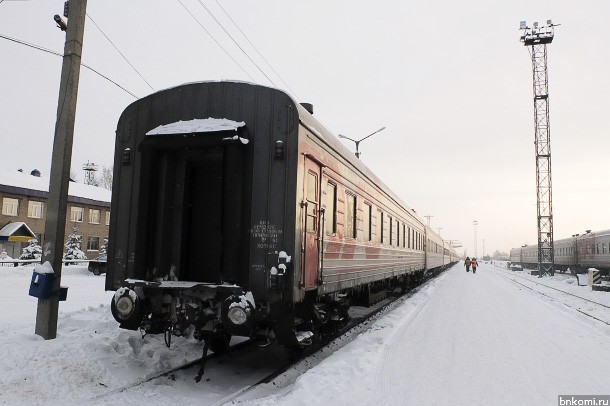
(577, 253)
(236, 212)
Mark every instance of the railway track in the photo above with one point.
(317, 353)
(289, 371)
(573, 306)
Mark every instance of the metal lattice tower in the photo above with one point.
(537, 38)
(90, 169)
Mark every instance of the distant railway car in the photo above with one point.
(236, 212)
(577, 253)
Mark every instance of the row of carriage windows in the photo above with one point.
(399, 233)
(597, 249)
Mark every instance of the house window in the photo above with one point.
(35, 209)
(107, 218)
(367, 222)
(93, 244)
(404, 235)
(10, 207)
(391, 230)
(77, 214)
(331, 209)
(350, 215)
(94, 216)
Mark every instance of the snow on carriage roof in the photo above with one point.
(26, 181)
(198, 125)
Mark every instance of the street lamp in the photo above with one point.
(357, 142)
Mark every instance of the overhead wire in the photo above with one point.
(43, 49)
(235, 42)
(119, 51)
(215, 40)
(256, 49)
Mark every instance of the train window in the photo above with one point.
(367, 222)
(331, 208)
(380, 228)
(350, 215)
(312, 199)
(397, 233)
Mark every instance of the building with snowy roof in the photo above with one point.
(24, 199)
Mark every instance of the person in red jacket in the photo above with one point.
(467, 264)
(474, 265)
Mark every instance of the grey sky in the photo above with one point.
(450, 81)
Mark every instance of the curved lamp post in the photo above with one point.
(357, 142)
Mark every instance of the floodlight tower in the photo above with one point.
(475, 224)
(538, 37)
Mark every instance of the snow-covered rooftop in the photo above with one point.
(11, 228)
(27, 181)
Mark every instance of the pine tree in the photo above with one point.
(32, 251)
(73, 246)
(104, 250)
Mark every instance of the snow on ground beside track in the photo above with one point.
(460, 339)
(463, 339)
(90, 353)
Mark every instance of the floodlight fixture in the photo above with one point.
(535, 24)
(549, 23)
(523, 25)
(61, 24)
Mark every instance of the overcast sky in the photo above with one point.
(450, 81)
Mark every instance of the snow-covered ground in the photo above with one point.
(460, 339)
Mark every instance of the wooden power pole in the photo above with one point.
(57, 205)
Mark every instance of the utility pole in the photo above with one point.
(537, 38)
(57, 206)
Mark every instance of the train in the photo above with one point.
(235, 212)
(575, 254)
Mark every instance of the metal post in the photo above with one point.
(57, 204)
(475, 223)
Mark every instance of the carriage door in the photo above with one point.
(312, 222)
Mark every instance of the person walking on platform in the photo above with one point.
(474, 265)
(467, 264)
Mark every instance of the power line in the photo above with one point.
(235, 42)
(254, 47)
(38, 47)
(119, 51)
(215, 40)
